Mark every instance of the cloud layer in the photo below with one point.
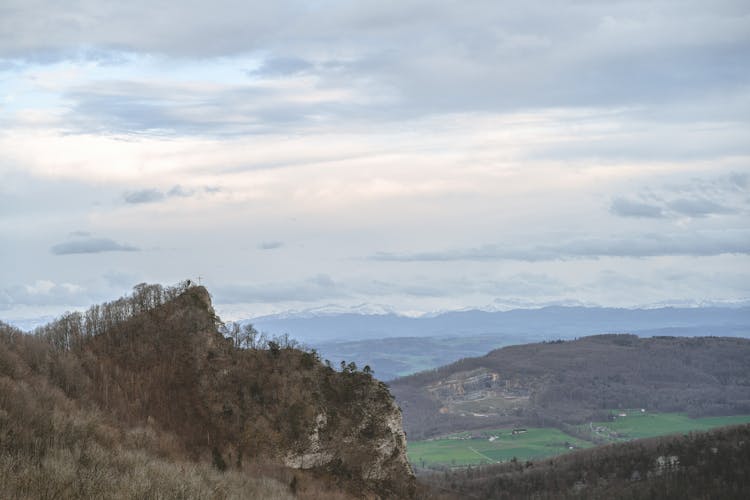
(91, 245)
(698, 244)
(420, 155)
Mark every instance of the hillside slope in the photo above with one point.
(156, 361)
(559, 383)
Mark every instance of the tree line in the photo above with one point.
(70, 330)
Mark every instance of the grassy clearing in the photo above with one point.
(476, 448)
(637, 424)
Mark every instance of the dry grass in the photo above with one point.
(97, 473)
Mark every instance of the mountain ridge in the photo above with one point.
(549, 320)
(156, 360)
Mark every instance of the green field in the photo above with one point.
(458, 449)
(639, 424)
(474, 448)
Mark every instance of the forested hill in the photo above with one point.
(566, 382)
(119, 399)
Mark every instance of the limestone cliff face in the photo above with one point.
(170, 366)
(373, 448)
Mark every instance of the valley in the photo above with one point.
(564, 384)
(491, 446)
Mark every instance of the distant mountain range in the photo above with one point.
(395, 345)
(536, 324)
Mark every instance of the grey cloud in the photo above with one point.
(696, 244)
(522, 283)
(323, 281)
(720, 187)
(120, 279)
(740, 181)
(24, 195)
(53, 294)
(698, 207)
(179, 191)
(629, 208)
(698, 198)
(144, 196)
(91, 245)
(426, 58)
(484, 253)
(282, 66)
(134, 107)
(154, 195)
(79, 233)
(270, 245)
(313, 289)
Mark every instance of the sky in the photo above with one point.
(409, 156)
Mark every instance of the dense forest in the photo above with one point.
(556, 384)
(116, 401)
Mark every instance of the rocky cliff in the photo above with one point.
(157, 359)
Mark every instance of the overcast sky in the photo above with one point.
(414, 155)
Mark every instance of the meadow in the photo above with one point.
(501, 445)
(479, 447)
(637, 424)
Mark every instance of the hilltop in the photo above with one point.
(117, 400)
(561, 383)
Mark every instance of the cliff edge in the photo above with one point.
(158, 359)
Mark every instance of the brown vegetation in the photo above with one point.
(144, 398)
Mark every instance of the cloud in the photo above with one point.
(320, 287)
(155, 195)
(91, 245)
(120, 279)
(43, 293)
(414, 59)
(698, 198)
(281, 66)
(398, 121)
(270, 245)
(173, 107)
(522, 283)
(699, 207)
(144, 196)
(179, 192)
(695, 244)
(628, 208)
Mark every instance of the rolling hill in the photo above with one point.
(563, 383)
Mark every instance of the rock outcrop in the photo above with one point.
(166, 365)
